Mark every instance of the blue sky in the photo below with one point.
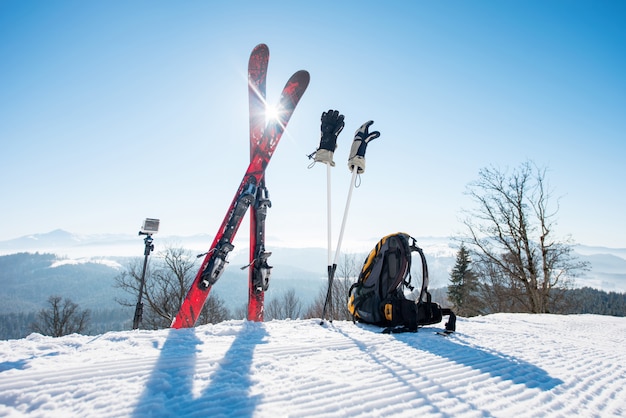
(114, 111)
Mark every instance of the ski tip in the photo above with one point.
(258, 58)
(261, 47)
(303, 74)
(302, 78)
(300, 75)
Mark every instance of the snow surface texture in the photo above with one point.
(503, 365)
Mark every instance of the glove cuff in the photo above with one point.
(324, 156)
(358, 162)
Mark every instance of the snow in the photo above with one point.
(88, 260)
(500, 365)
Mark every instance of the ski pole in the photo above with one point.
(332, 125)
(328, 220)
(356, 164)
(328, 304)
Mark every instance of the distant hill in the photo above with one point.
(83, 268)
(28, 280)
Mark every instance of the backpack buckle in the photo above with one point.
(388, 311)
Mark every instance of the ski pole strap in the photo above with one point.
(357, 153)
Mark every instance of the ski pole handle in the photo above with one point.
(357, 153)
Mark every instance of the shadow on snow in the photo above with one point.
(8, 365)
(169, 390)
(491, 362)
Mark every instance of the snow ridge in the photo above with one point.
(498, 365)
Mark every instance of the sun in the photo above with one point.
(272, 113)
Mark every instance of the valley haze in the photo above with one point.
(608, 265)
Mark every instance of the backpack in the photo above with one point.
(378, 296)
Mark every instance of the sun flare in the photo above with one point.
(272, 113)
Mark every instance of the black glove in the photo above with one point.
(357, 153)
(332, 125)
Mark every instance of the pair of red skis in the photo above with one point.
(264, 137)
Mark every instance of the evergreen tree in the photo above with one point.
(462, 291)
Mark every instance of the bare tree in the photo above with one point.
(167, 281)
(519, 259)
(241, 312)
(288, 306)
(346, 274)
(214, 311)
(169, 285)
(63, 317)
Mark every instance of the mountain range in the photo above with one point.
(83, 267)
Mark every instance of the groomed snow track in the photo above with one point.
(500, 365)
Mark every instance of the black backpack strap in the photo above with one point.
(398, 330)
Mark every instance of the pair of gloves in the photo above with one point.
(332, 125)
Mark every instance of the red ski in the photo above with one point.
(216, 258)
(259, 269)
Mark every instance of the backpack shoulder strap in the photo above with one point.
(424, 290)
